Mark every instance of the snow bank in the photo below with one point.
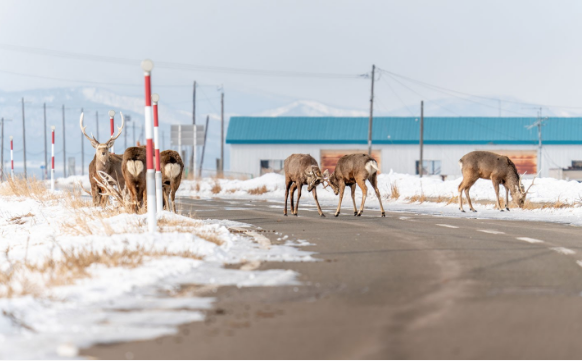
(48, 313)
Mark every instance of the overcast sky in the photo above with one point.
(524, 49)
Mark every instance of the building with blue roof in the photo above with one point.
(260, 144)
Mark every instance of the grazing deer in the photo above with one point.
(500, 169)
(105, 162)
(134, 173)
(172, 168)
(301, 169)
(355, 169)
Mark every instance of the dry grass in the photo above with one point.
(259, 190)
(417, 198)
(394, 191)
(231, 191)
(73, 265)
(197, 187)
(216, 188)
(31, 188)
(189, 226)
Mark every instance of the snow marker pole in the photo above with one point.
(159, 194)
(11, 158)
(147, 66)
(111, 115)
(53, 159)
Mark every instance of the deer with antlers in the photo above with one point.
(104, 161)
(499, 169)
(301, 169)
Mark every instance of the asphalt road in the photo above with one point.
(404, 286)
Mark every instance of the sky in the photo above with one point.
(523, 50)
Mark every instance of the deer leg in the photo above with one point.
(461, 188)
(342, 187)
(173, 194)
(507, 199)
(496, 188)
(469, 200)
(298, 197)
(166, 200)
(293, 188)
(317, 202)
(374, 182)
(287, 186)
(353, 188)
(364, 188)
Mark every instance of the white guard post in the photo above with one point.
(53, 158)
(159, 194)
(147, 66)
(11, 158)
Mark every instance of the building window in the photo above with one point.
(429, 167)
(271, 166)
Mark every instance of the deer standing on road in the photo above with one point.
(134, 173)
(499, 169)
(104, 161)
(172, 168)
(301, 169)
(355, 169)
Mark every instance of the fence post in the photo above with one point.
(53, 159)
(147, 66)
(159, 195)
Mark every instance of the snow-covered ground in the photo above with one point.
(70, 279)
(544, 191)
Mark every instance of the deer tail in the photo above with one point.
(371, 166)
(134, 167)
(172, 170)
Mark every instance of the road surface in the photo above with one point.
(404, 286)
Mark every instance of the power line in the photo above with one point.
(173, 65)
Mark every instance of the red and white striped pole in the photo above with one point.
(53, 158)
(11, 158)
(159, 195)
(147, 66)
(111, 116)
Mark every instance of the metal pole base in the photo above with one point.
(159, 194)
(151, 192)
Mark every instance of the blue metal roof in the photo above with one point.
(400, 130)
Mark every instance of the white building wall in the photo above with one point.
(245, 158)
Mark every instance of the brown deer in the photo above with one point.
(172, 168)
(499, 169)
(355, 169)
(134, 173)
(301, 169)
(105, 162)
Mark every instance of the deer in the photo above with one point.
(134, 174)
(300, 170)
(499, 169)
(172, 167)
(104, 161)
(352, 170)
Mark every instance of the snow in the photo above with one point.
(115, 303)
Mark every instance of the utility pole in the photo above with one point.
(133, 128)
(222, 134)
(2, 153)
(82, 151)
(193, 154)
(23, 139)
(64, 146)
(420, 163)
(203, 148)
(371, 112)
(538, 123)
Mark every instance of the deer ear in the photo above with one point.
(325, 173)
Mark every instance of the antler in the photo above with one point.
(85, 134)
(107, 183)
(119, 128)
(532, 183)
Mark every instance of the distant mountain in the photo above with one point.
(309, 108)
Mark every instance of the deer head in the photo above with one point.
(520, 193)
(102, 153)
(314, 177)
(331, 181)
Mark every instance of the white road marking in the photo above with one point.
(562, 250)
(529, 240)
(263, 241)
(491, 231)
(404, 218)
(447, 225)
(579, 263)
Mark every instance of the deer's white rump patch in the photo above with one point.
(172, 170)
(134, 167)
(371, 167)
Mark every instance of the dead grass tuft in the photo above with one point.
(197, 187)
(259, 190)
(394, 191)
(216, 188)
(232, 190)
(417, 198)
